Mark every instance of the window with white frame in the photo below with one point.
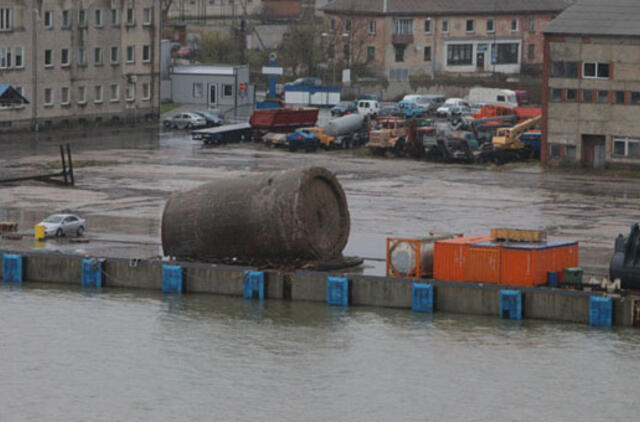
(82, 57)
(198, 90)
(470, 25)
(65, 60)
(372, 27)
(115, 55)
(19, 57)
(47, 19)
(48, 96)
(427, 26)
(82, 95)
(626, 147)
(403, 26)
(130, 16)
(146, 91)
(459, 54)
(82, 18)
(66, 18)
(227, 90)
(514, 25)
(98, 18)
(115, 93)
(398, 75)
(48, 58)
(131, 54)
(131, 91)
(64, 95)
(147, 16)
(491, 25)
(6, 18)
(97, 96)
(115, 17)
(146, 53)
(506, 53)
(595, 70)
(532, 24)
(5, 57)
(98, 56)
(445, 26)
(347, 25)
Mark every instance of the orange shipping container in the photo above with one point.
(449, 257)
(483, 263)
(528, 264)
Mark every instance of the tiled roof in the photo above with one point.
(598, 17)
(446, 7)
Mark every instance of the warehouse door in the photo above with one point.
(593, 150)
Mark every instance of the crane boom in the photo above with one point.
(510, 137)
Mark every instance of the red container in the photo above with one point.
(287, 117)
(449, 257)
(527, 264)
(483, 263)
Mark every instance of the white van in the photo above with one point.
(493, 96)
(368, 107)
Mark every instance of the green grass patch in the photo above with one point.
(167, 107)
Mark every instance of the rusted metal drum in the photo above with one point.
(293, 214)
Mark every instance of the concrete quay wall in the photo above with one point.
(454, 297)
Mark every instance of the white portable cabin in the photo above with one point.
(493, 96)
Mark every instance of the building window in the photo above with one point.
(66, 18)
(98, 56)
(427, 53)
(146, 53)
(532, 24)
(514, 25)
(427, 26)
(65, 60)
(48, 96)
(130, 16)
(98, 15)
(371, 53)
(555, 150)
(635, 98)
(64, 95)
(98, 94)
(619, 97)
(19, 54)
(372, 27)
(82, 18)
(147, 16)
(6, 18)
(332, 24)
(594, 70)
(332, 50)
(531, 51)
(115, 17)
(556, 95)
(506, 53)
(115, 93)
(5, 57)
(471, 25)
(115, 55)
(227, 90)
(587, 96)
(603, 97)
(146, 91)
(82, 59)
(48, 19)
(82, 95)
(131, 91)
(564, 69)
(459, 54)
(403, 26)
(198, 91)
(572, 95)
(345, 52)
(131, 54)
(491, 25)
(626, 147)
(445, 26)
(399, 51)
(48, 58)
(398, 75)
(347, 25)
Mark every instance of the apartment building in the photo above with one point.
(79, 61)
(463, 37)
(193, 10)
(591, 84)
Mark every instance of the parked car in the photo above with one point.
(212, 117)
(369, 108)
(63, 224)
(432, 102)
(410, 108)
(365, 97)
(306, 82)
(343, 107)
(388, 109)
(445, 109)
(460, 110)
(185, 121)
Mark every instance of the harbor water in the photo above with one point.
(73, 355)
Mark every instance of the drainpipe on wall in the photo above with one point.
(434, 56)
(34, 69)
(235, 93)
(385, 6)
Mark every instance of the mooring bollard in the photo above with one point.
(172, 279)
(338, 291)
(511, 304)
(12, 268)
(422, 297)
(253, 285)
(600, 311)
(91, 273)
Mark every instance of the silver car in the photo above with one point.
(63, 224)
(185, 121)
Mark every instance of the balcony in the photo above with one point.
(402, 39)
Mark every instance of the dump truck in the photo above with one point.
(389, 134)
(283, 120)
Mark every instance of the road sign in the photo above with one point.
(271, 70)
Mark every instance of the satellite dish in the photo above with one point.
(273, 56)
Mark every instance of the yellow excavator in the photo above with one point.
(509, 137)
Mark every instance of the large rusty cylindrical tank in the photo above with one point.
(299, 213)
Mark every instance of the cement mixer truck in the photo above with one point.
(344, 132)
